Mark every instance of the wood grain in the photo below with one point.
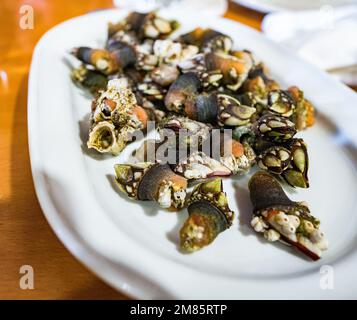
(25, 236)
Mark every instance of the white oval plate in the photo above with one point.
(133, 246)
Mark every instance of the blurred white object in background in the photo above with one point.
(325, 37)
(205, 7)
(282, 5)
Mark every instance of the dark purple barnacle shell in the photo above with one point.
(281, 103)
(150, 183)
(126, 56)
(205, 108)
(265, 192)
(135, 20)
(113, 44)
(182, 91)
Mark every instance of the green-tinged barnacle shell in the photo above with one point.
(128, 177)
(275, 129)
(275, 159)
(209, 215)
(278, 217)
(232, 112)
(254, 100)
(103, 138)
(89, 79)
(244, 133)
(295, 178)
(280, 102)
(297, 172)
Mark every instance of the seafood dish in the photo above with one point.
(217, 113)
(279, 218)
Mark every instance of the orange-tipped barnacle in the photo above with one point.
(234, 70)
(142, 115)
(236, 156)
(107, 62)
(304, 115)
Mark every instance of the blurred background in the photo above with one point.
(321, 31)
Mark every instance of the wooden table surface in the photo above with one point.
(25, 236)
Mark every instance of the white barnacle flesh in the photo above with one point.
(179, 198)
(169, 51)
(298, 230)
(164, 197)
(237, 165)
(168, 197)
(201, 166)
(258, 224)
(271, 235)
(240, 164)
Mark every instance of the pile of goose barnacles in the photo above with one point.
(234, 117)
